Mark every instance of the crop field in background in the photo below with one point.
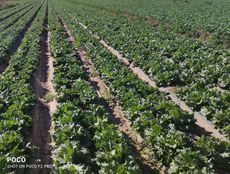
(115, 86)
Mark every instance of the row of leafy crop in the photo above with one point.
(158, 121)
(167, 59)
(6, 6)
(7, 11)
(185, 17)
(16, 96)
(4, 14)
(12, 20)
(12, 34)
(85, 142)
(214, 103)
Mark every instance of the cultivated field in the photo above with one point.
(115, 87)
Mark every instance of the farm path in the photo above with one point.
(45, 105)
(50, 86)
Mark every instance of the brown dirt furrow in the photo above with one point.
(201, 120)
(50, 86)
(52, 104)
(116, 115)
(42, 124)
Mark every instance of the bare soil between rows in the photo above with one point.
(42, 122)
